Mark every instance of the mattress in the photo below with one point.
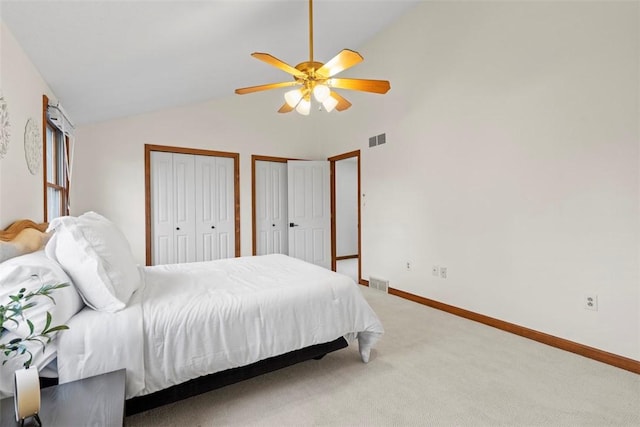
(194, 319)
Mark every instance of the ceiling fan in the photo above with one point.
(318, 79)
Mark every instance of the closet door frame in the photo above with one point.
(148, 148)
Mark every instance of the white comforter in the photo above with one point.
(194, 319)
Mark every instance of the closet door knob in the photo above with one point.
(213, 226)
(177, 228)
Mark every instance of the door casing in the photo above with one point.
(332, 165)
(148, 148)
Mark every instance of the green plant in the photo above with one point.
(13, 312)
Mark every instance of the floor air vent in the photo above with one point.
(379, 284)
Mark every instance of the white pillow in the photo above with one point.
(18, 272)
(97, 257)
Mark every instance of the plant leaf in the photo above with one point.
(46, 326)
(56, 328)
(14, 311)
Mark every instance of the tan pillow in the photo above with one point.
(27, 241)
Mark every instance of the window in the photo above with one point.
(56, 184)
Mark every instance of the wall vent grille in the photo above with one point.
(379, 284)
(377, 140)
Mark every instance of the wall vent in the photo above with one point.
(379, 284)
(377, 140)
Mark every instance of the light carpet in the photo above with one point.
(430, 368)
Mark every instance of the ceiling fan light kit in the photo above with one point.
(318, 79)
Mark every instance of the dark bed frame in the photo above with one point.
(230, 376)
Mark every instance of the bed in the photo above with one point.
(183, 329)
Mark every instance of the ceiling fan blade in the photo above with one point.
(272, 60)
(286, 108)
(252, 89)
(343, 104)
(345, 59)
(375, 86)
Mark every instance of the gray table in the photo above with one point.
(93, 401)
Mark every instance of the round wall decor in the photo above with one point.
(32, 146)
(5, 127)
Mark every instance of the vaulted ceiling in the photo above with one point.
(106, 59)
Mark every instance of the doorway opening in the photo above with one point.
(346, 251)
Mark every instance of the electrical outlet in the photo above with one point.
(443, 272)
(591, 302)
(435, 271)
(408, 266)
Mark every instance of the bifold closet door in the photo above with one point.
(173, 208)
(271, 208)
(192, 208)
(162, 243)
(215, 210)
(184, 222)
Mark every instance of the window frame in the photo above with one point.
(60, 151)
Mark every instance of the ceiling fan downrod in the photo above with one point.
(311, 31)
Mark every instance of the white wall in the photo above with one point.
(109, 156)
(347, 207)
(512, 158)
(21, 194)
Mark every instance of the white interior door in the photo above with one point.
(309, 207)
(215, 213)
(205, 181)
(184, 208)
(162, 208)
(271, 208)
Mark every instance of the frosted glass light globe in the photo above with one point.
(293, 97)
(304, 107)
(321, 92)
(329, 104)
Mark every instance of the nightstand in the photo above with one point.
(93, 401)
